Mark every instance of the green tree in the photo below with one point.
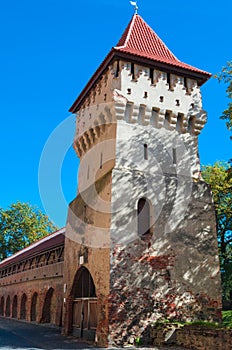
(20, 225)
(226, 77)
(220, 179)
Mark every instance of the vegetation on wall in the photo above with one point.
(20, 225)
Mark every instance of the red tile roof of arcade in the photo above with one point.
(141, 44)
(45, 243)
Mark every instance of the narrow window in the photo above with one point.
(152, 75)
(145, 151)
(101, 158)
(143, 212)
(169, 80)
(174, 156)
(88, 173)
(177, 102)
(145, 94)
(161, 99)
(128, 91)
(117, 69)
(105, 97)
(133, 71)
(186, 83)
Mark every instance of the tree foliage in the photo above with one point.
(219, 176)
(20, 225)
(226, 77)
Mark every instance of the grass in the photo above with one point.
(226, 322)
(227, 318)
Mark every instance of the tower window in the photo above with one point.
(144, 221)
(174, 156)
(186, 83)
(117, 69)
(145, 94)
(133, 71)
(101, 160)
(169, 80)
(128, 91)
(161, 99)
(152, 75)
(177, 102)
(145, 151)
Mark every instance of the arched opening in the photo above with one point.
(34, 307)
(84, 307)
(2, 306)
(23, 307)
(46, 313)
(8, 306)
(144, 219)
(15, 307)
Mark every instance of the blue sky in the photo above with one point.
(50, 49)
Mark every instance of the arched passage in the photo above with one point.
(84, 305)
(2, 306)
(15, 307)
(8, 306)
(46, 313)
(23, 307)
(34, 307)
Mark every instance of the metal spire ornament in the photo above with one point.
(134, 3)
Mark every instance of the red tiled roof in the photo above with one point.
(140, 42)
(141, 39)
(54, 239)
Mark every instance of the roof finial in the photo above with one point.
(134, 3)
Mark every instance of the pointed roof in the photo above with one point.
(139, 39)
(141, 44)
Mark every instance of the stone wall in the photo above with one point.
(31, 281)
(190, 337)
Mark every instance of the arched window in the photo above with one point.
(46, 313)
(23, 310)
(144, 218)
(34, 307)
(15, 307)
(2, 306)
(8, 306)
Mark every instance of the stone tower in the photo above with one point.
(141, 234)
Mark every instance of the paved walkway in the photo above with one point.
(27, 336)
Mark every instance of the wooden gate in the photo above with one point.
(84, 322)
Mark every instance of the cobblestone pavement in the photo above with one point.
(27, 336)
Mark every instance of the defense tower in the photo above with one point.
(141, 233)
